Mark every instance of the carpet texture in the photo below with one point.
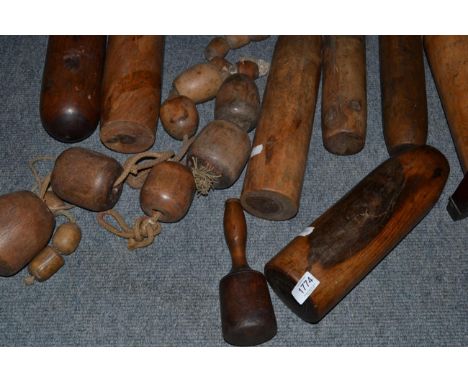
(167, 294)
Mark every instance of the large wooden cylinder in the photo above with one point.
(448, 59)
(26, 225)
(344, 101)
(275, 173)
(404, 104)
(71, 86)
(321, 265)
(86, 179)
(131, 92)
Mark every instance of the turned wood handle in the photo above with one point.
(235, 232)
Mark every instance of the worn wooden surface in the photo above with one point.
(26, 225)
(247, 314)
(274, 177)
(357, 232)
(344, 95)
(71, 86)
(168, 189)
(86, 179)
(222, 147)
(404, 104)
(131, 92)
(238, 101)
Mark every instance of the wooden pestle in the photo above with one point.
(275, 172)
(404, 104)
(344, 100)
(131, 92)
(448, 59)
(247, 314)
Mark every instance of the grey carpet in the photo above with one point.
(167, 294)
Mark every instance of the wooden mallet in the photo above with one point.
(247, 314)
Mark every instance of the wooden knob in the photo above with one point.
(235, 233)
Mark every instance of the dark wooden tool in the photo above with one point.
(275, 173)
(448, 59)
(343, 245)
(86, 179)
(26, 225)
(71, 86)
(403, 85)
(344, 101)
(168, 189)
(247, 314)
(131, 92)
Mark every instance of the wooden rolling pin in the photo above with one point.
(71, 86)
(403, 86)
(131, 92)
(344, 101)
(275, 173)
(321, 265)
(448, 59)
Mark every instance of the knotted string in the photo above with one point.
(142, 234)
(139, 170)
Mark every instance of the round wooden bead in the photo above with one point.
(45, 264)
(169, 189)
(238, 101)
(66, 239)
(179, 117)
(26, 225)
(86, 179)
(218, 47)
(222, 147)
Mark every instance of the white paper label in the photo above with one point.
(256, 150)
(307, 231)
(304, 287)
